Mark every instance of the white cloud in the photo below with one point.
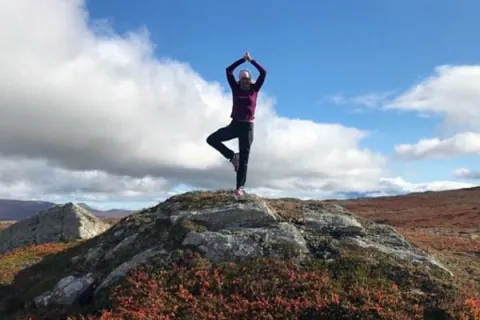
(462, 143)
(466, 174)
(369, 100)
(392, 186)
(452, 93)
(35, 179)
(100, 113)
(385, 187)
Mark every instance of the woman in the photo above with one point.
(244, 94)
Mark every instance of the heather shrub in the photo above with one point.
(193, 288)
(187, 286)
(442, 242)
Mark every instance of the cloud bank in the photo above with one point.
(460, 144)
(452, 93)
(91, 114)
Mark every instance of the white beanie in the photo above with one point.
(244, 74)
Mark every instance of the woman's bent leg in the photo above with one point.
(223, 134)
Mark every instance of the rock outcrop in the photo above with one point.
(59, 223)
(223, 229)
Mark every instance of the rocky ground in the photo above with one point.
(206, 256)
(5, 224)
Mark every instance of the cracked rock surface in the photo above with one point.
(59, 223)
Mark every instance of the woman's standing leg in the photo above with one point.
(245, 140)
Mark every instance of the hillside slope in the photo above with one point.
(203, 255)
(456, 209)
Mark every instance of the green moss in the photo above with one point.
(286, 250)
(195, 200)
(349, 270)
(289, 209)
(187, 225)
(371, 267)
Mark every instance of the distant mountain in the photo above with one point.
(21, 209)
(86, 206)
(106, 213)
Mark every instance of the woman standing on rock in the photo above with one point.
(244, 96)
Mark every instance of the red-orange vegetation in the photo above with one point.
(263, 289)
(19, 258)
(446, 209)
(441, 242)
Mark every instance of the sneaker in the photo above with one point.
(239, 192)
(235, 161)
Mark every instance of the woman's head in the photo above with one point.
(245, 79)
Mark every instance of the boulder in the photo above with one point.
(223, 229)
(59, 223)
(66, 292)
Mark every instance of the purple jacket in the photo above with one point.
(244, 102)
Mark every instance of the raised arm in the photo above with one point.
(261, 78)
(229, 72)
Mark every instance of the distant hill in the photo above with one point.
(21, 209)
(457, 209)
(106, 213)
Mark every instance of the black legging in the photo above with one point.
(236, 129)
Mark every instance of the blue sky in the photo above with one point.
(317, 49)
(406, 73)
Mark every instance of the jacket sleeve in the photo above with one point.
(229, 72)
(261, 78)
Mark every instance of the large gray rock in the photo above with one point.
(247, 243)
(333, 224)
(230, 215)
(66, 291)
(122, 270)
(223, 229)
(59, 223)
